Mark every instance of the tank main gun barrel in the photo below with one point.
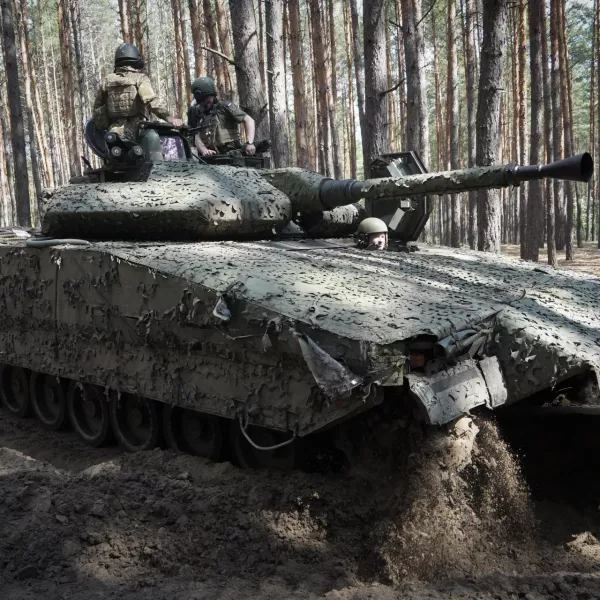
(312, 192)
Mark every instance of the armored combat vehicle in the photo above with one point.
(227, 307)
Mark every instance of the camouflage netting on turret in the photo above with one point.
(544, 324)
(178, 201)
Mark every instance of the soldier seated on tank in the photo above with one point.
(218, 121)
(125, 98)
(372, 234)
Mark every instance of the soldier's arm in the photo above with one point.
(100, 112)
(155, 106)
(236, 113)
(249, 128)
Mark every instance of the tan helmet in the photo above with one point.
(368, 227)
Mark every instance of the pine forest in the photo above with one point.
(333, 84)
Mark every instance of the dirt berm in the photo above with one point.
(85, 524)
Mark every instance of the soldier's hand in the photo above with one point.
(250, 149)
(206, 151)
(175, 121)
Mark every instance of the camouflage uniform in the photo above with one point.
(126, 98)
(219, 125)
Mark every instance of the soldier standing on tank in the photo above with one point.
(126, 98)
(218, 121)
(372, 234)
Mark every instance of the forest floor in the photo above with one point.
(586, 259)
(78, 523)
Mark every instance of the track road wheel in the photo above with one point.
(193, 432)
(88, 410)
(135, 422)
(249, 457)
(49, 400)
(14, 391)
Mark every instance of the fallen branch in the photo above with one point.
(392, 89)
(227, 58)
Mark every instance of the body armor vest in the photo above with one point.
(217, 127)
(122, 96)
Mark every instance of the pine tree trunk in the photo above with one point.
(589, 213)
(46, 100)
(224, 28)
(488, 114)
(250, 89)
(17, 131)
(598, 115)
(213, 36)
(38, 115)
(417, 130)
(360, 74)
(441, 204)
(186, 57)
(349, 64)
(311, 95)
(331, 66)
(564, 108)
(299, 84)
(125, 22)
(286, 38)
(275, 75)
(197, 43)
(179, 75)
(66, 59)
(573, 200)
(375, 80)
(401, 77)
(320, 63)
(5, 143)
(31, 122)
(513, 237)
(452, 112)
(470, 69)
(261, 45)
(79, 114)
(548, 136)
(531, 241)
(558, 129)
(522, 189)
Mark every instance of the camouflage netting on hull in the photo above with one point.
(542, 323)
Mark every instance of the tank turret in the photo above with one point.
(184, 200)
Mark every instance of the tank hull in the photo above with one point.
(296, 336)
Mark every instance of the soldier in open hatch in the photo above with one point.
(372, 234)
(126, 98)
(218, 121)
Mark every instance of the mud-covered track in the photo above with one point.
(102, 417)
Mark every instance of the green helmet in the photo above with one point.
(204, 86)
(128, 55)
(367, 227)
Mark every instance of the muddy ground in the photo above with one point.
(80, 523)
(521, 521)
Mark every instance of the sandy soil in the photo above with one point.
(79, 523)
(586, 259)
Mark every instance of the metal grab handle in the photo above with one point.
(47, 242)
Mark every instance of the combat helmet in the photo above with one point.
(127, 55)
(368, 227)
(204, 86)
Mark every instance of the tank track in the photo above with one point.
(101, 417)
